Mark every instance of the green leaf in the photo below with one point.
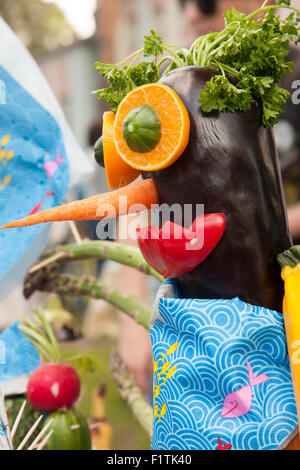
(120, 81)
(143, 73)
(273, 103)
(219, 94)
(252, 48)
(84, 363)
(233, 15)
(153, 44)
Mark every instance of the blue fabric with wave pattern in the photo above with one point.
(201, 353)
(18, 355)
(34, 169)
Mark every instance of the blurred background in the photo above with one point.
(67, 37)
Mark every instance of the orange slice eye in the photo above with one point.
(118, 173)
(152, 127)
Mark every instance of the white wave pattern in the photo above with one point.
(213, 339)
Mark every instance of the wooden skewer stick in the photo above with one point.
(44, 442)
(30, 432)
(75, 232)
(18, 419)
(47, 261)
(95, 425)
(4, 419)
(57, 256)
(36, 441)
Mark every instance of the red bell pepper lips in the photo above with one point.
(175, 250)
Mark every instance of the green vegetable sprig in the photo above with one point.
(40, 333)
(128, 74)
(249, 54)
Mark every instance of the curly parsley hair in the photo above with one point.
(249, 55)
(207, 7)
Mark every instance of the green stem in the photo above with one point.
(215, 51)
(226, 68)
(221, 68)
(140, 51)
(164, 60)
(103, 250)
(197, 53)
(269, 8)
(289, 257)
(198, 41)
(177, 48)
(66, 284)
(38, 339)
(176, 59)
(46, 357)
(131, 393)
(51, 337)
(135, 58)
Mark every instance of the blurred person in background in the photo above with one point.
(204, 16)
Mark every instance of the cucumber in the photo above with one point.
(71, 431)
(98, 152)
(142, 129)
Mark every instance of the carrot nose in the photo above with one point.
(119, 202)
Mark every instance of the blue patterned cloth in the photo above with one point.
(18, 355)
(34, 171)
(206, 353)
(40, 159)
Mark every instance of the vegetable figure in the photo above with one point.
(53, 386)
(71, 431)
(200, 133)
(231, 165)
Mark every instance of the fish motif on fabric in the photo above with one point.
(5, 156)
(167, 371)
(157, 392)
(155, 366)
(171, 349)
(162, 411)
(39, 205)
(238, 403)
(155, 413)
(222, 446)
(170, 374)
(164, 369)
(51, 166)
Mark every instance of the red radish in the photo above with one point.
(53, 386)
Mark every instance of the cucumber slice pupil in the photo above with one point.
(142, 128)
(98, 152)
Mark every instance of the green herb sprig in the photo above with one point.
(249, 55)
(39, 331)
